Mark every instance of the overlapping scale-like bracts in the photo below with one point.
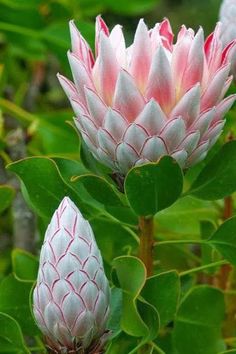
(156, 97)
(228, 19)
(71, 297)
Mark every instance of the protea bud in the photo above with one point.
(228, 19)
(71, 297)
(154, 98)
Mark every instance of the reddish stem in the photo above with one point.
(146, 230)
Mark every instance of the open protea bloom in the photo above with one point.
(154, 98)
(71, 297)
(228, 19)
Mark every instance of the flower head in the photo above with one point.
(228, 19)
(71, 297)
(156, 97)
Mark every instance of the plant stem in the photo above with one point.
(206, 266)
(176, 242)
(146, 231)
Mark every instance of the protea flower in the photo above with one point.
(228, 19)
(71, 297)
(133, 105)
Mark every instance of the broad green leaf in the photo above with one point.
(14, 301)
(224, 240)
(113, 239)
(99, 189)
(154, 186)
(123, 213)
(218, 178)
(186, 215)
(6, 196)
(52, 130)
(44, 184)
(139, 318)
(25, 265)
(11, 338)
(121, 344)
(69, 170)
(232, 351)
(163, 291)
(198, 322)
(115, 312)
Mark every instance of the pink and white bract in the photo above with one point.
(133, 105)
(228, 19)
(71, 297)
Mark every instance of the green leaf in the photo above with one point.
(139, 318)
(44, 184)
(99, 189)
(11, 338)
(25, 265)
(218, 178)
(232, 351)
(14, 300)
(154, 186)
(198, 322)
(163, 291)
(224, 240)
(113, 239)
(6, 195)
(208, 254)
(51, 130)
(116, 310)
(69, 170)
(186, 215)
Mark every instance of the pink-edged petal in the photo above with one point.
(160, 83)
(214, 130)
(141, 55)
(68, 86)
(78, 107)
(213, 50)
(224, 106)
(127, 98)
(100, 27)
(96, 106)
(152, 118)
(180, 56)
(227, 84)
(135, 136)
(166, 32)
(105, 70)
(198, 154)
(204, 121)
(173, 133)
(81, 75)
(189, 105)
(190, 142)
(115, 124)
(126, 156)
(180, 156)
(118, 43)
(90, 144)
(106, 142)
(153, 148)
(212, 94)
(89, 128)
(80, 47)
(194, 69)
(106, 159)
